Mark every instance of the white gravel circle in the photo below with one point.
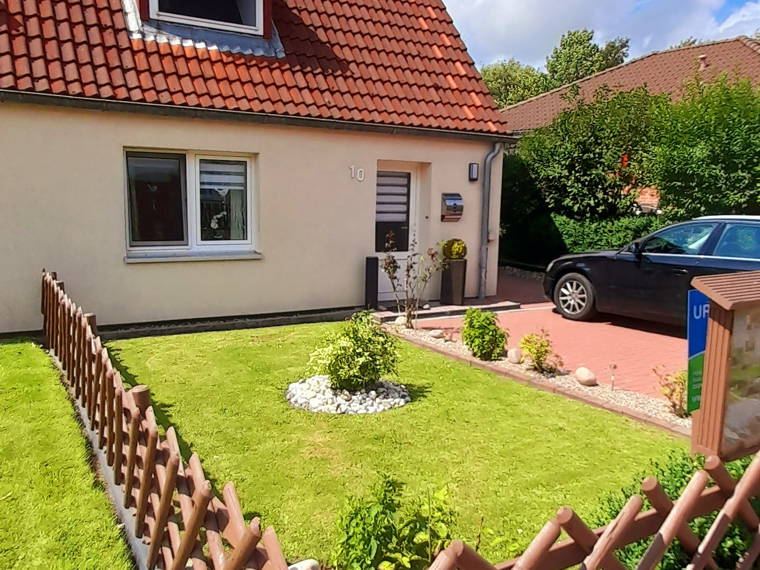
(316, 395)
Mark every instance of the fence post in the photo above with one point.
(43, 306)
(146, 481)
(129, 474)
(110, 410)
(59, 321)
(201, 499)
(243, 552)
(164, 506)
(95, 372)
(141, 397)
(68, 310)
(104, 380)
(118, 440)
(76, 361)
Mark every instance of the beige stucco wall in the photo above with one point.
(63, 208)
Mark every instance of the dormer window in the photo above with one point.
(245, 16)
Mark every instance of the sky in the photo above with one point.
(527, 30)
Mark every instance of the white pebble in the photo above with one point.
(316, 395)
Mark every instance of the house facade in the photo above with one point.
(176, 160)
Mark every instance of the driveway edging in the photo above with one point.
(553, 388)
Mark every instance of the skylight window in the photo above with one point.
(244, 16)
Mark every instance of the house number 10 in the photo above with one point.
(358, 174)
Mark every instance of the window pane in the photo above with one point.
(223, 200)
(156, 199)
(229, 11)
(392, 211)
(740, 240)
(687, 239)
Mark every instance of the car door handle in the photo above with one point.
(681, 271)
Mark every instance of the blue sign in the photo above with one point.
(696, 330)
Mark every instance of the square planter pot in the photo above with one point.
(453, 281)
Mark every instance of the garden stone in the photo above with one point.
(400, 321)
(305, 565)
(437, 333)
(315, 394)
(514, 355)
(585, 377)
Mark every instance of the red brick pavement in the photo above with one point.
(634, 347)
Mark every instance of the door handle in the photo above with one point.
(681, 271)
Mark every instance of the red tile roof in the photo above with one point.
(387, 62)
(661, 72)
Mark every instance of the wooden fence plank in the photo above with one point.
(164, 507)
(200, 500)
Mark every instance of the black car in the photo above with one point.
(650, 278)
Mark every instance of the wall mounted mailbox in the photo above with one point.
(452, 207)
(727, 422)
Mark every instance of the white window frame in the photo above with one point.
(195, 245)
(258, 29)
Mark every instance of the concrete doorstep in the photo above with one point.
(389, 315)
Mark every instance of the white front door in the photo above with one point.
(394, 223)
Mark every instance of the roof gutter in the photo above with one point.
(485, 216)
(157, 109)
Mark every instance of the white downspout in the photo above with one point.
(485, 217)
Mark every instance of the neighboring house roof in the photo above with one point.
(660, 72)
(393, 63)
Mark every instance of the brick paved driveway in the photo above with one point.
(634, 347)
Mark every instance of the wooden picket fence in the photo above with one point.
(665, 522)
(175, 512)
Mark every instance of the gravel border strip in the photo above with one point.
(640, 407)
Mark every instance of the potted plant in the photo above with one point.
(454, 272)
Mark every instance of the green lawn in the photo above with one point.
(508, 453)
(52, 512)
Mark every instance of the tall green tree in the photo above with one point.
(584, 161)
(705, 154)
(511, 82)
(578, 56)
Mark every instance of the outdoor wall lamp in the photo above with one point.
(474, 171)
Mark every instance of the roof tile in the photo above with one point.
(661, 72)
(377, 61)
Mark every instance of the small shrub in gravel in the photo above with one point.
(538, 348)
(482, 335)
(358, 356)
(673, 387)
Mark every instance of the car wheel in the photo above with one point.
(574, 297)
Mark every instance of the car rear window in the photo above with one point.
(739, 240)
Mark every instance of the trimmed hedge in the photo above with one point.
(541, 237)
(585, 235)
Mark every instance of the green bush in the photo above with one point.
(673, 474)
(584, 160)
(358, 356)
(482, 335)
(705, 154)
(538, 348)
(376, 532)
(585, 235)
(454, 248)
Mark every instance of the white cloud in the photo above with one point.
(528, 29)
